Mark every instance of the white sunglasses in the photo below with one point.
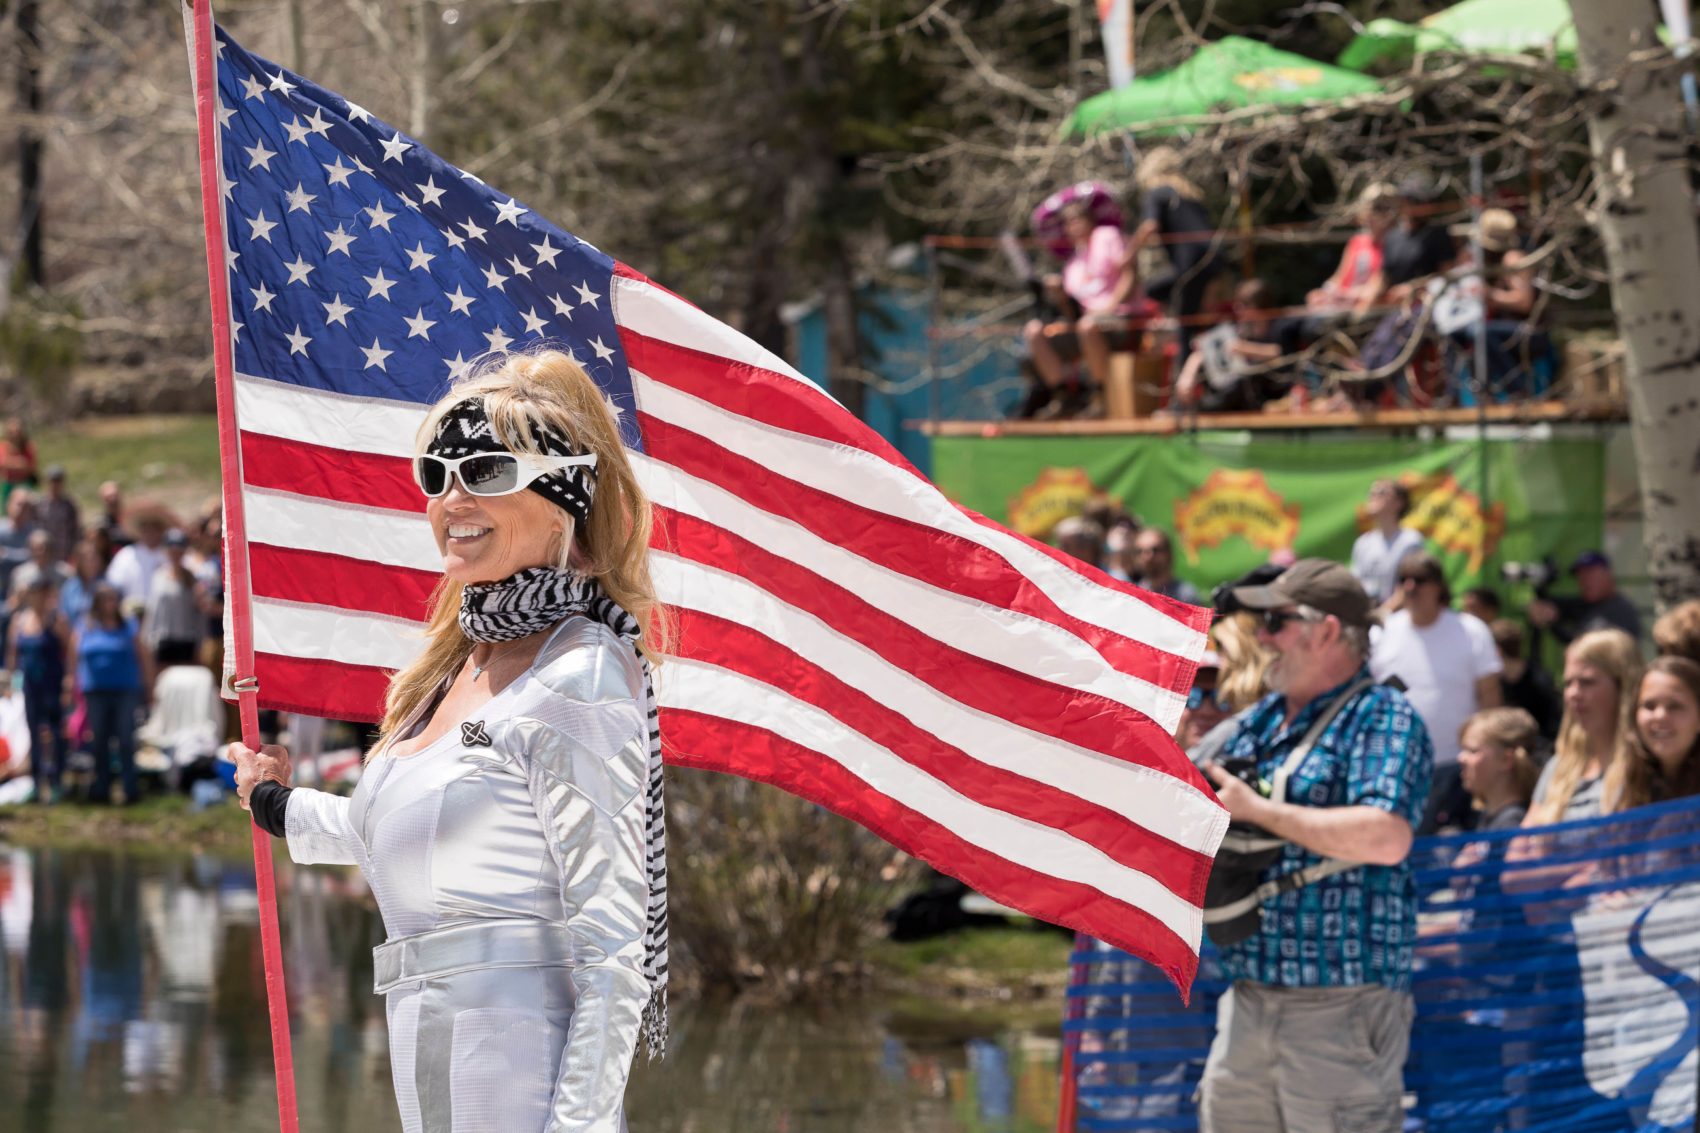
(490, 473)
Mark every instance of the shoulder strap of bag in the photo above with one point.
(1310, 875)
(1286, 883)
(1278, 790)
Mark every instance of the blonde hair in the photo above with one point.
(1617, 657)
(1515, 732)
(1243, 678)
(544, 387)
(1160, 168)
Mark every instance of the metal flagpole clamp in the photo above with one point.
(244, 685)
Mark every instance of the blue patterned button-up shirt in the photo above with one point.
(1356, 927)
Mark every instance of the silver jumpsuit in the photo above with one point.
(507, 859)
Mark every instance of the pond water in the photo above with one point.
(132, 1000)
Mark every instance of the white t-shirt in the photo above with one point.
(1375, 559)
(1440, 665)
(132, 570)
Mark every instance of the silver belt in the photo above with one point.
(492, 943)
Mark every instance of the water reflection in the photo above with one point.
(132, 998)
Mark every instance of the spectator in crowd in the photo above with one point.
(1523, 683)
(1413, 249)
(207, 566)
(1109, 514)
(1482, 603)
(1314, 1031)
(1236, 367)
(1353, 286)
(40, 564)
(1597, 605)
(59, 515)
(1091, 279)
(38, 641)
(1677, 632)
(1204, 705)
(1118, 554)
(1600, 668)
(100, 539)
(108, 655)
(1172, 209)
(1508, 291)
(17, 457)
(1241, 680)
(1660, 756)
(135, 567)
(15, 531)
(1154, 566)
(1245, 662)
(87, 571)
(1377, 553)
(1496, 760)
(111, 522)
(1082, 538)
(1449, 668)
(175, 623)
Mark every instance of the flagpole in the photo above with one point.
(238, 594)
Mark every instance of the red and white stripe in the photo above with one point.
(845, 632)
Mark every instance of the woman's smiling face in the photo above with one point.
(489, 538)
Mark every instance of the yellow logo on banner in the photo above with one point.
(1452, 517)
(1279, 78)
(1235, 502)
(1057, 494)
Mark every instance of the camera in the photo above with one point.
(1245, 770)
(1539, 575)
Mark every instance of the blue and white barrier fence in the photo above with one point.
(1557, 988)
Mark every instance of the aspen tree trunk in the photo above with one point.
(1646, 219)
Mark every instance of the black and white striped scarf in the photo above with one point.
(529, 602)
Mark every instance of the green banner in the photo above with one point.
(1232, 499)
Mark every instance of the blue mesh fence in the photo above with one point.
(1557, 987)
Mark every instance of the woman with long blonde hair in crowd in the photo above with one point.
(1242, 677)
(1600, 669)
(510, 820)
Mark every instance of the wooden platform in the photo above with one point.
(1390, 419)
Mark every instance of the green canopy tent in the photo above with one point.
(1230, 74)
(1475, 27)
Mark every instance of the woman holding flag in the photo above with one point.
(510, 818)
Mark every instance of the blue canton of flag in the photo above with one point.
(363, 264)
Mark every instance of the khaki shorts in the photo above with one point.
(1307, 1060)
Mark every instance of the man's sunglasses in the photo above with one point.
(1419, 579)
(1274, 621)
(490, 473)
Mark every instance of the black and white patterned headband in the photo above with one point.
(466, 429)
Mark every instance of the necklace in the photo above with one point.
(478, 670)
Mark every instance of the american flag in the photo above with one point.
(845, 632)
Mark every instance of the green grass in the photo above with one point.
(158, 824)
(1001, 955)
(169, 460)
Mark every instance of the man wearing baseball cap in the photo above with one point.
(1598, 604)
(1313, 1034)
